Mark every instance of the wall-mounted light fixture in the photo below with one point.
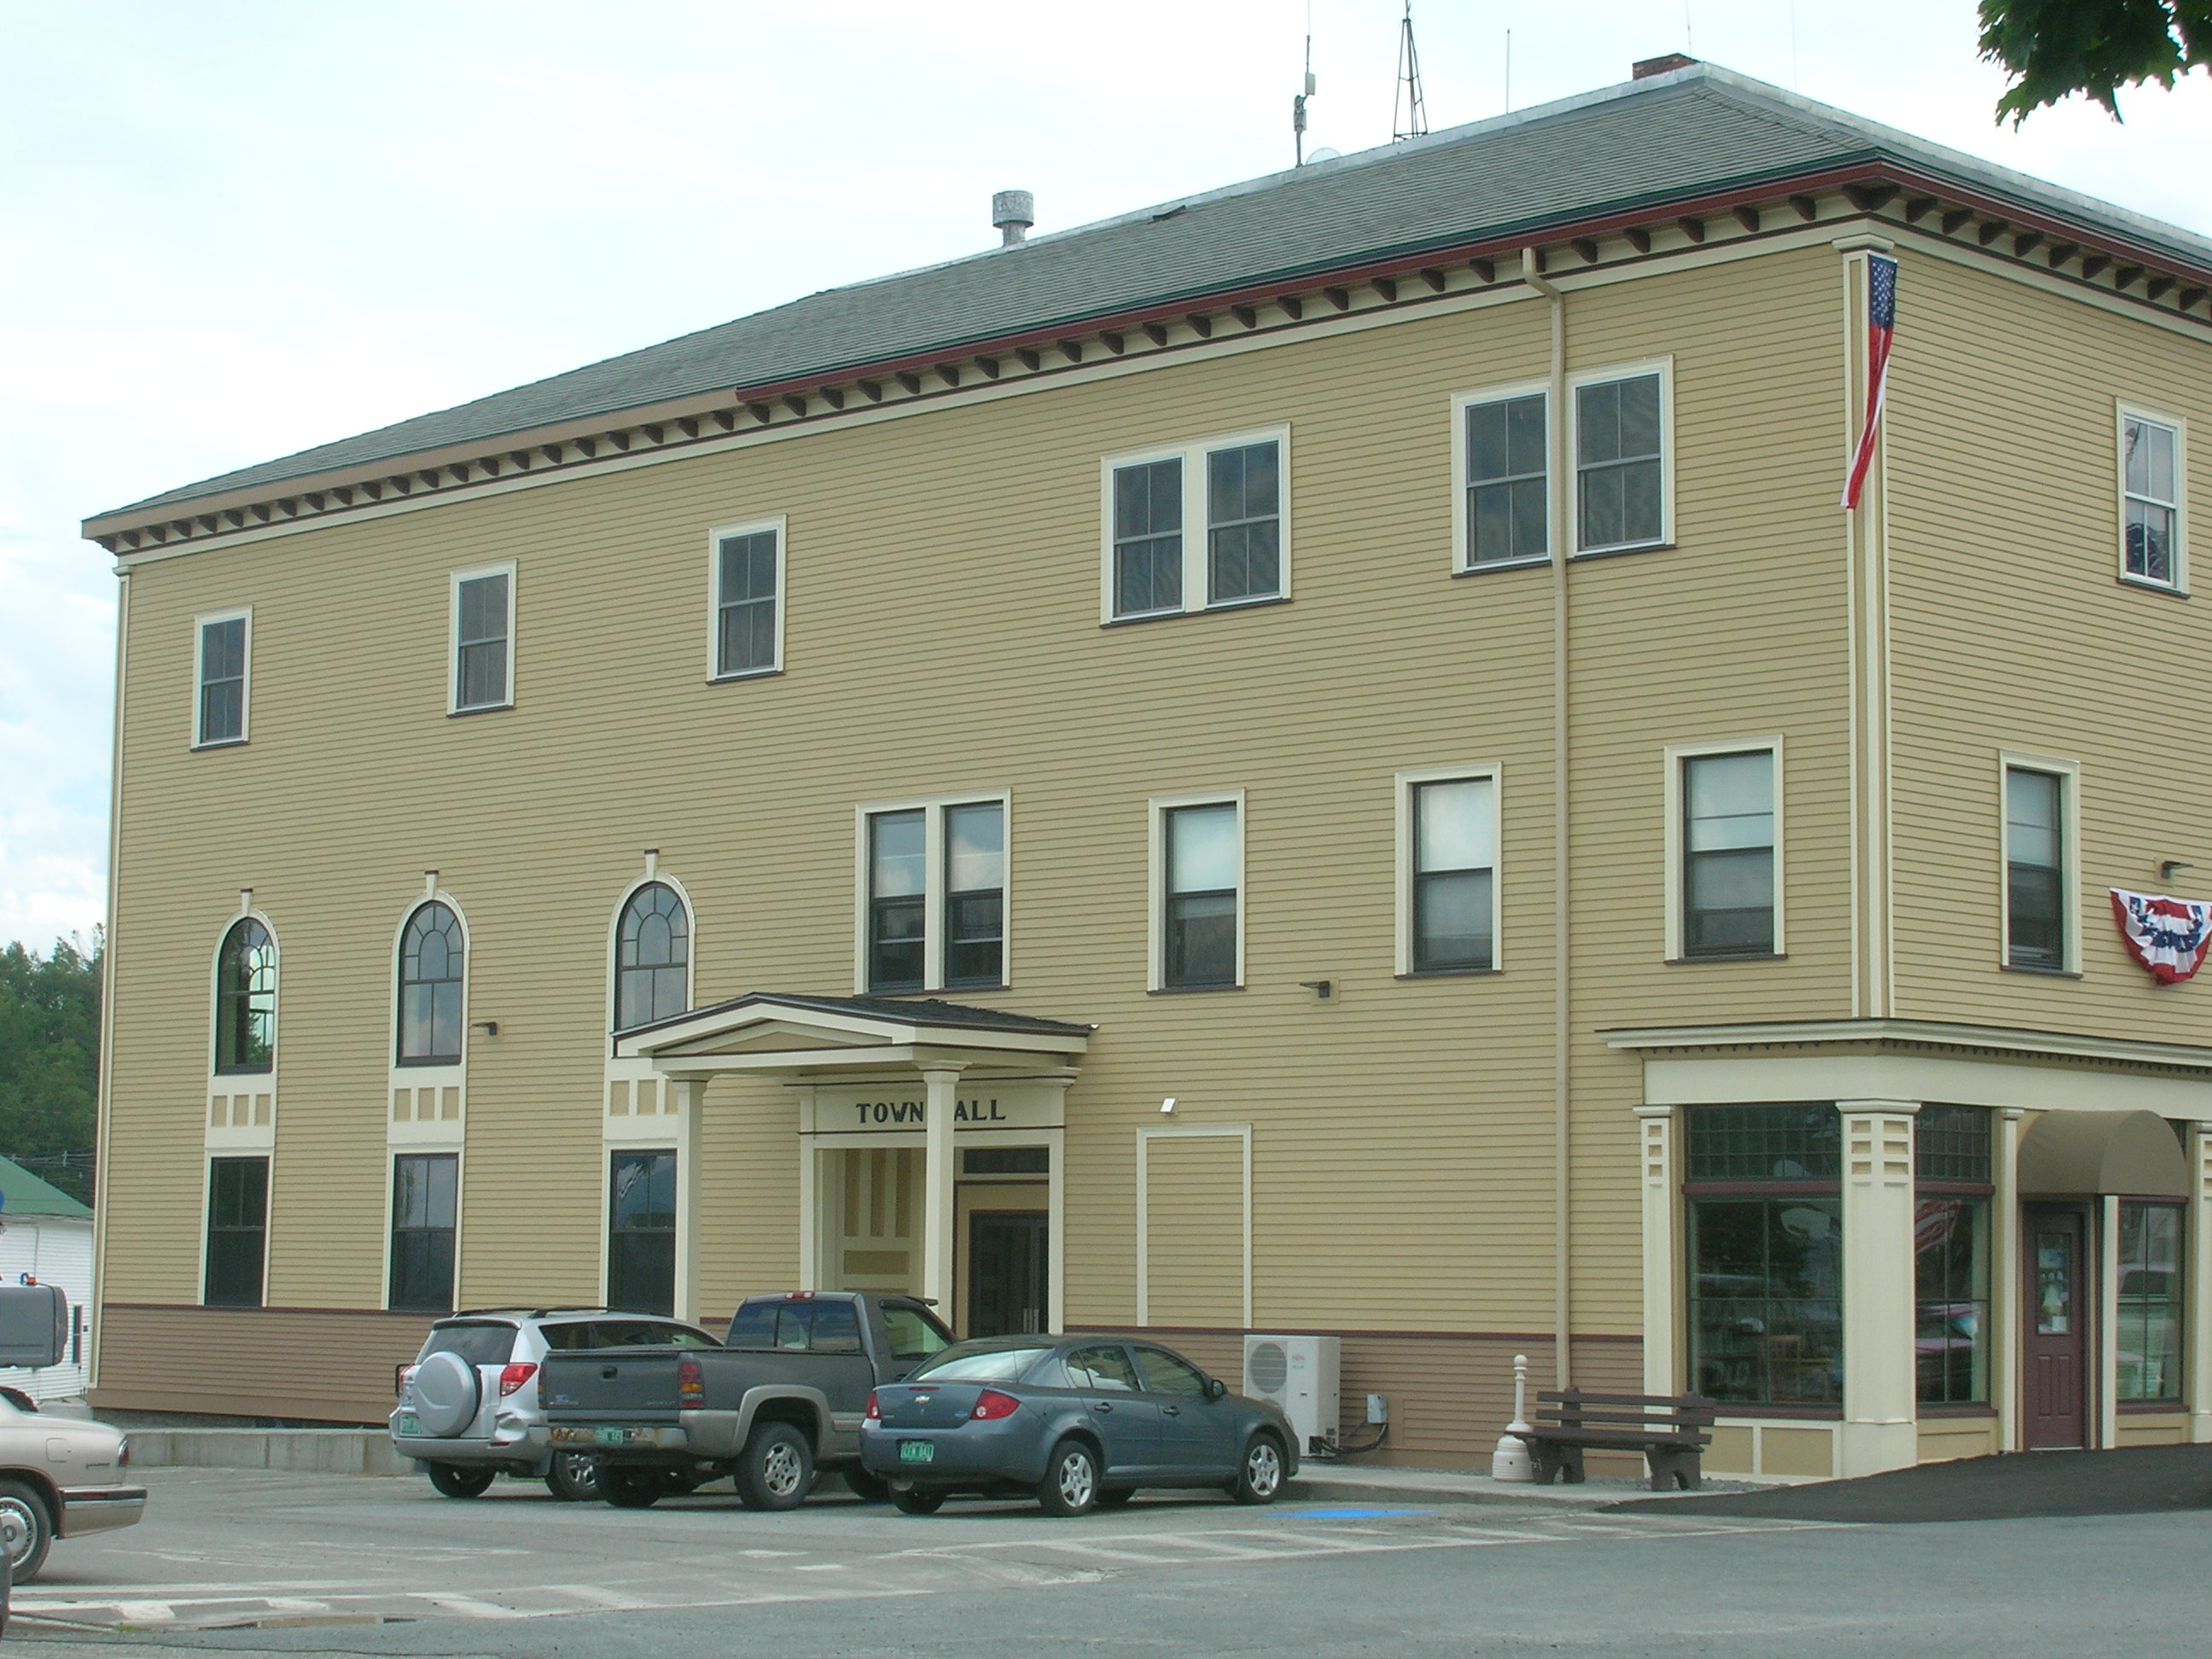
(1324, 989)
(1168, 1105)
(2166, 870)
(488, 1027)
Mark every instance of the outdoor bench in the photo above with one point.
(1667, 1429)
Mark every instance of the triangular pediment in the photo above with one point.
(763, 1025)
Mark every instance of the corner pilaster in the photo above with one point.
(1657, 1137)
(1879, 1429)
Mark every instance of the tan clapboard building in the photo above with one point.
(1320, 758)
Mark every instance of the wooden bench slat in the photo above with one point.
(1622, 1417)
(1570, 1397)
(1614, 1437)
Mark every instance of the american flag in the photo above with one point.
(1881, 326)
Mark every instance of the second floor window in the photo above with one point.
(748, 595)
(2035, 869)
(1508, 508)
(652, 957)
(1202, 880)
(1727, 878)
(936, 898)
(1620, 486)
(220, 712)
(483, 638)
(1231, 488)
(1453, 896)
(245, 999)
(2151, 486)
(430, 976)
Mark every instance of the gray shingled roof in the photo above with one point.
(1691, 132)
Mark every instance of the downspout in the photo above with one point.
(104, 1096)
(1557, 513)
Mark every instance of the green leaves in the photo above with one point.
(2056, 48)
(50, 1058)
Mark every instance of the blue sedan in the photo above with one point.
(1080, 1422)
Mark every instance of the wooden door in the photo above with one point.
(1007, 1271)
(2054, 1372)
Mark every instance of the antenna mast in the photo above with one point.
(1409, 111)
(1298, 103)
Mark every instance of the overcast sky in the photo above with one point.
(230, 229)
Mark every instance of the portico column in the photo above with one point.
(1662, 1250)
(2004, 1291)
(1879, 1430)
(689, 1093)
(2196, 1283)
(941, 1083)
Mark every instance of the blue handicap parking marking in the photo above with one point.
(1350, 1513)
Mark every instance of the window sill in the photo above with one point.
(1968, 1410)
(1531, 561)
(1745, 956)
(2149, 585)
(219, 743)
(1617, 552)
(940, 991)
(1763, 1410)
(1197, 610)
(269, 1070)
(1189, 990)
(2040, 973)
(1448, 973)
(479, 708)
(451, 1063)
(745, 674)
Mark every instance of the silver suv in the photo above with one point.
(469, 1401)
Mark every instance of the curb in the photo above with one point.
(321, 1451)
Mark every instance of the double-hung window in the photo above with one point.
(425, 1211)
(1725, 824)
(2039, 860)
(1447, 858)
(1504, 497)
(1198, 526)
(483, 638)
(219, 674)
(1198, 867)
(2150, 498)
(1623, 494)
(748, 582)
(237, 1231)
(934, 905)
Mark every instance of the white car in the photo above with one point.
(469, 1401)
(60, 1477)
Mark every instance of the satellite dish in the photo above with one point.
(1324, 153)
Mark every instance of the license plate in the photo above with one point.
(917, 1451)
(409, 1423)
(613, 1436)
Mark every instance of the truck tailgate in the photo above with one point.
(609, 1384)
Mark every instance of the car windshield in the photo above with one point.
(480, 1343)
(992, 1365)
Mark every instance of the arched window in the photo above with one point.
(652, 957)
(430, 961)
(245, 999)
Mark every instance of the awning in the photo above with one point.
(2074, 1154)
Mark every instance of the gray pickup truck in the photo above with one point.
(782, 1397)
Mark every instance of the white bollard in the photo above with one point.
(1511, 1461)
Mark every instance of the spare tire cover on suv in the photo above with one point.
(446, 1390)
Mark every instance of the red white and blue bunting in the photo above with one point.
(2167, 936)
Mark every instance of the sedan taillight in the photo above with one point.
(991, 1405)
(691, 1385)
(875, 1413)
(515, 1376)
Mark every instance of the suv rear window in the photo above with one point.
(482, 1343)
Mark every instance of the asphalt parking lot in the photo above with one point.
(242, 1561)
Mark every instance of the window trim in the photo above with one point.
(1462, 563)
(1406, 783)
(932, 810)
(391, 1156)
(454, 706)
(652, 875)
(429, 895)
(1676, 754)
(1156, 811)
(215, 999)
(2069, 840)
(200, 625)
(1664, 366)
(1193, 453)
(779, 526)
(2124, 411)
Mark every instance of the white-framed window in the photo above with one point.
(483, 638)
(1448, 869)
(932, 895)
(744, 634)
(2042, 855)
(1501, 476)
(1724, 850)
(223, 662)
(1198, 891)
(1197, 526)
(1621, 432)
(2153, 479)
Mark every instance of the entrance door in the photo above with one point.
(2057, 1338)
(1006, 1273)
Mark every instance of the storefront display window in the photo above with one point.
(1951, 1255)
(2149, 1317)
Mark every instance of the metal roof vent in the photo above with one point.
(1012, 213)
(1650, 66)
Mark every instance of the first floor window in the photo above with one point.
(481, 640)
(641, 1232)
(1204, 878)
(2035, 869)
(424, 1194)
(1508, 485)
(937, 897)
(1454, 836)
(237, 1231)
(1951, 1293)
(2151, 486)
(1727, 878)
(1620, 462)
(222, 716)
(748, 581)
(2149, 1314)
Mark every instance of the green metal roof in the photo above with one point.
(22, 1192)
(1695, 131)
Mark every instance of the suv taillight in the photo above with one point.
(991, 1406)
(875, 1413)
(515, 1376)
(691, 1385)
(399, 1375)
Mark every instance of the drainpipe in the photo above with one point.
(1559, 511)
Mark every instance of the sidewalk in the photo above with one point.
(1351, 1483)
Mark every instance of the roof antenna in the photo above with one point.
(1298, 103)
(1409, 111)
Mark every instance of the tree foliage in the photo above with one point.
(50, 1060)
(2056, 48)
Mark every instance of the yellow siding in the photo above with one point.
(1194, 1230)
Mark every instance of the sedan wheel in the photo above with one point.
(25, 1531)
(1070, 1485)
(574, 1478)
(914, 1501)
(1259, 1477)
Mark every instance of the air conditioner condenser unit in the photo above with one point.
(1298, 1375)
